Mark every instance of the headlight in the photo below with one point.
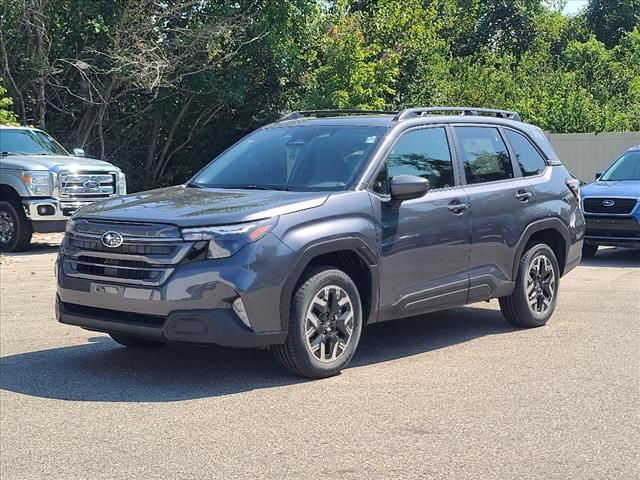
(226, 240)
(122, 183)
(38, 183)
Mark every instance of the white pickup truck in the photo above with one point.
(42, 185)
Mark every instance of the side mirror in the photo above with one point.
(407, 187)
(78, 152)
(598, 175)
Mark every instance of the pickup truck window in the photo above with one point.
(28, 142)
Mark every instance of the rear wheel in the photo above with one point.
(536, 292)
(135, 342)
(15, 228)
(589, 250)
(325, 325)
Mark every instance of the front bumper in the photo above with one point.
(51, 209)
(609, 230)
(191, 302)
(217, 326)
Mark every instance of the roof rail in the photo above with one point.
(419, 111)
(327, 113)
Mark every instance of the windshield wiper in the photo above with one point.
(4, 154)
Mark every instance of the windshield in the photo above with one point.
(28, 142)
(627, 167)
(293, 158)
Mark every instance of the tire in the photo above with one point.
(339, 324)
(135, 342)
(543, 285)
(589, 250)
(15, 228)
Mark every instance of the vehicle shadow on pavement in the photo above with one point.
(103, 371)
(614, 257)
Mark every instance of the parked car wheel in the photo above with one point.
(15, 228)
(135, 342)
(588, 250)
(325, 325)
(536, 292)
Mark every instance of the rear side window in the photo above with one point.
(484, 154)
(424, 153)
(530, 161)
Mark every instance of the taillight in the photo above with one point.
(574, 186)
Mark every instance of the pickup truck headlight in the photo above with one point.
(38, 183)
(122, 183)
(226, 240)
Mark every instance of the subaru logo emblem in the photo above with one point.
(608, 203)
(91, 184)
(111, 239)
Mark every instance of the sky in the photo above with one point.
(574, 5)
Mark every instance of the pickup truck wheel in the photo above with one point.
(536, 292)
(325, 325)
(588, 250)
(135, 342)
(15, 228)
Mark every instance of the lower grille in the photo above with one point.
(602, 226)
(128, 317)
(616, 206)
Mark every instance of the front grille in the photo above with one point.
(87, 184)
(126, 249)
(616, 206)
(148, 256)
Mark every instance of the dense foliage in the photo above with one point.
(159, 88)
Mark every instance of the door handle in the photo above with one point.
(524, 196)
(457, 207)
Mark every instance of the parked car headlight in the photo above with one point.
(226, 240)
(38, 183)
(122, 183)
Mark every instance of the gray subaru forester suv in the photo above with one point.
(310, 228)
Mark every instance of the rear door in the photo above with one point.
(424, 243)
(502, 204)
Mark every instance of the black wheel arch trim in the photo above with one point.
(322, 247)
(538, 226)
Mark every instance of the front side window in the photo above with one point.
(484, 154)
(530, 161)
(28, 142)
(627, 167)
(424, 153)
(305, 158)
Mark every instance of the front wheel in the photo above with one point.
(536, 292)
(15, 229)
(324, 327)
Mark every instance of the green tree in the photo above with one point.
(609, 20)
(7, 117)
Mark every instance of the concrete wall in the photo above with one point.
(587, 153)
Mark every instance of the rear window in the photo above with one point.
(530, 161)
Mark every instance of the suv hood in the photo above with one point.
(194, 207)
(621, 188)
(49, 162)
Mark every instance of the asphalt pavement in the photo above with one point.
(457, 394)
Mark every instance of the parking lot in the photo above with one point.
(457, 394)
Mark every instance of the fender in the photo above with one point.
(13, 179)
(552, 223)
(328, 245)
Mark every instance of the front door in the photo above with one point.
(424, 243)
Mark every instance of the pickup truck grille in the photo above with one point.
(87, 184)
(148, 255)
(616, 206)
